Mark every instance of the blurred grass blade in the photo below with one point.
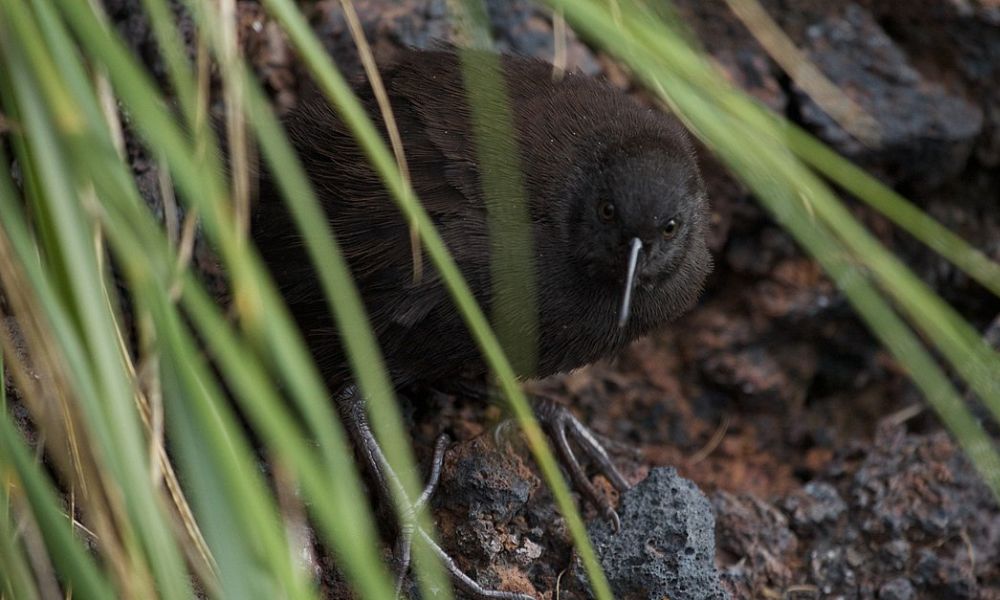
(223, 475)
(896, 208)
(512, 255)
(98, 168)
(853, 179)
(960, 344)
(75, 564)
(206, 435)
(113, 410)
(684, 63)
(890, 330)
(171, 48)
(333, 499)
(203, 186)
(345, 305)
(14, 577)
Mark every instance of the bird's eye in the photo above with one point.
(670, 229)
(606, 210)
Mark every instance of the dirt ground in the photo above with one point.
(827, 475)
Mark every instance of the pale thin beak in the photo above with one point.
(633, 260)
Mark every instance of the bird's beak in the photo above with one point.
(635, 247)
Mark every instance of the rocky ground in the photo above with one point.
(823, 473)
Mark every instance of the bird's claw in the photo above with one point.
(560, 425)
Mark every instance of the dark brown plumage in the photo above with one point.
(599, 170)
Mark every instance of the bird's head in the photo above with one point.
(640, 224)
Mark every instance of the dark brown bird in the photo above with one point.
(617, 210)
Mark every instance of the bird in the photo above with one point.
(608, 235)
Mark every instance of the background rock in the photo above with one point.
(925, 133)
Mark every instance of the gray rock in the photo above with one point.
(897, 589)
(518, 27)
(949, 38)
(666, 547)
(816, 504)
(924, 132)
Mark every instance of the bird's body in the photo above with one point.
(616, 211)
(582, 145)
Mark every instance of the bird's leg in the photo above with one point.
(405, 541)
(352, 403)
(561, 425)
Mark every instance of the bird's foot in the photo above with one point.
(357, 424)
(561, 425)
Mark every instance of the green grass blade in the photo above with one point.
(335, 498)
(896, 208)
(960, 344)
(74, 563)
(348, 311)
(966, 352)
(14, 569)
(14, 576)
(204, 186)
(226, 486)
(171, 46)
(514, 289)
(205, 432)
(115, 405)
(333, 488)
